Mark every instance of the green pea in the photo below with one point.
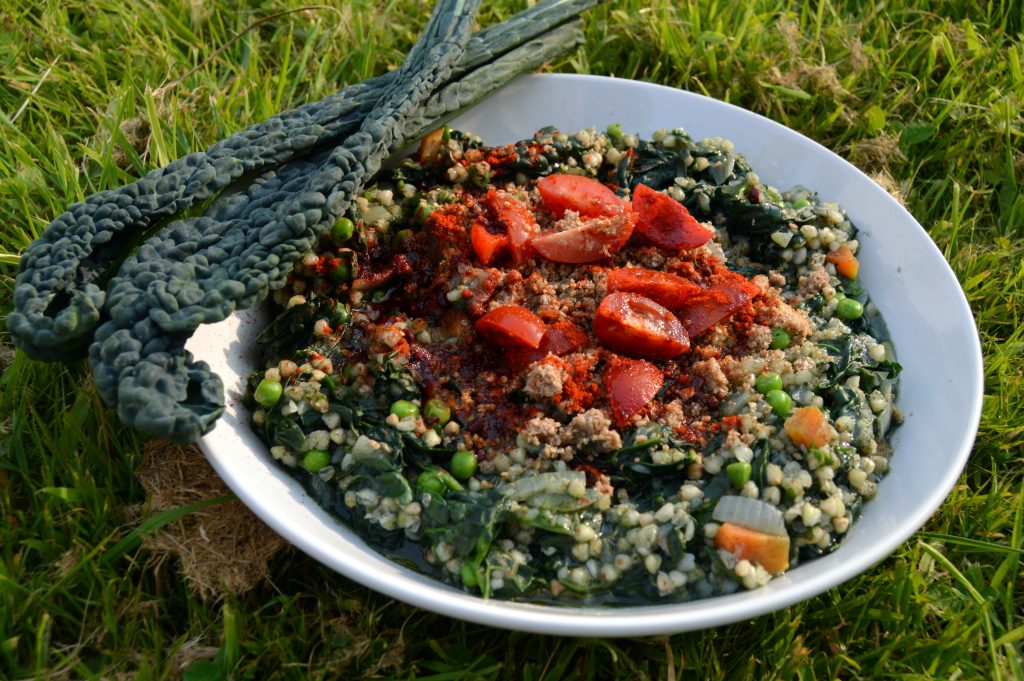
(340, 316)
(800, 203)
(403, 237)
(342, 230)
(849, 309)
(436, 410)
(340, 272)
(430, 481)
(329, 382)
(479, 178)
(463, 464)
(615, 131)
(822, 457)
(405, 409)
(268, 392)
(767, 382)
(739, 473)
(423, 211)
(449, 480)
(780, 339)
(348, 372)
(468, 574)
(780, 402)
(315, 459)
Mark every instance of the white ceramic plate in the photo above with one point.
(906, 275)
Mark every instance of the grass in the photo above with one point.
(92, 94)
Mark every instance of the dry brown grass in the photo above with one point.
(221, 549)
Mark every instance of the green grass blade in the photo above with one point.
(153, 523)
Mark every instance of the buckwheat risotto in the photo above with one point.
(583, 367)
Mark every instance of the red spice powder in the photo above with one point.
(481, 382)
(580, 389)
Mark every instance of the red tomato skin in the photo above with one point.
(631, 385)
(664, 288)
(517, 220)
(585, 195)
(512, 326)
(560, 338)
(635, 325)
(487, 245)
(666, 222)
(594, 240)
(715, 304)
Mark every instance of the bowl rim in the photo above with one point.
(573, 620)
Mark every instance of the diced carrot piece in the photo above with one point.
(808, 426)
(769, 550)
(845, 262)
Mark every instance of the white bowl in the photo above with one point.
(908, 279)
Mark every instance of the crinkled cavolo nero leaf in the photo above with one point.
(137, 360)
(249, 267)
(59, 293)
(200, 270)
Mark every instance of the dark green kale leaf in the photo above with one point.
(762, 449)
(393, 382)
(675, 543)
(200, 270)
(292, 328)
(420, 455)
(632, 466)
(847, 362)
(651, 165)
(61, 296)
(284, 430)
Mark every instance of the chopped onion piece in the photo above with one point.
(750, 513)
(557, 482)
(735, 403)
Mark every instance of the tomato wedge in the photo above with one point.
(560, 338)
(631, 385)
(517, 220)
(487, 245)
(666, 222)
(663, 288)
(714, 304)
(512, 326)
(595, 239)
(585, 195)
(634, 325)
